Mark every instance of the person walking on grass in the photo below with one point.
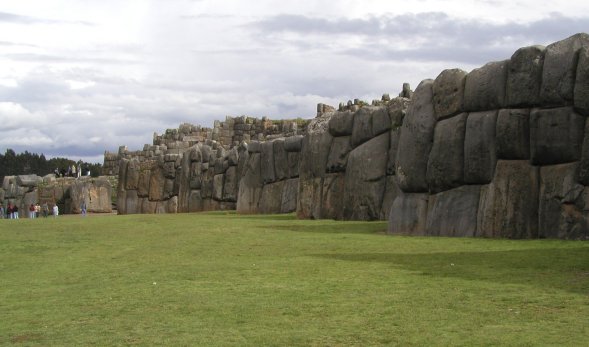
(55, 210)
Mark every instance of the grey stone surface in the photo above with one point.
(132, 177)
(132, 202)
(556, 135)
(254, 147)
(156, 184)
(338, 155)
(294, 159)
(558, 74)
(268, 172)
(290, 192)
(28, 180)
(195, 203)
(310, 198)
(280, 160)
(271, 199)
(416, 140)
(231, 186)
(562, 209)
(454, 212)
(508, 206)
(233, 157)
(250, 186)
(390, 194)
(485, 87)
(513, 134)
(581, 94)
(397, 109)
(333, 196)
(342, 123)
(583, 169)
(218, 181)
(365, 179)
(408, 214)
(369, 121)
(445, 168)
(293, 143)
(381, 122)
(524, 77)
(448, 93)
(480, 155)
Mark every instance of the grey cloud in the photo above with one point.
(47, 58)
(433, 36)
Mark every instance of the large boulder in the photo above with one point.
(28, 180)
(513, 134)
(290, 192)
(132, 202)
(445, 168)
(271, 199)
(524, 77)
(454, 212)
(556, 135)
(195, 203)
(582, 83)
(480, 155)
(560, 67)
(333, 196)
(408, 214)
(314, 154)
(293, 143)
(157, 182)
(415, 140)
(508, 206)
(390, 194)
(485, 87)
(369, 121)
(338, 155)
(231, 186)
(365, 179)
(280, 160)
(132, 178)
(448, 92)
(250, 186)
(294, 159)
(342, 123)
(218, 181)
(563, 205)
(268, 173)
(583, 169)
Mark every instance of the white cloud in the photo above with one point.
(107, 73)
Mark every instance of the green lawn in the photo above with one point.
(218, 279)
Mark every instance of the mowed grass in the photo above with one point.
(221, 279)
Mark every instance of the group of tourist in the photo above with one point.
(72, 171)
(34, 210)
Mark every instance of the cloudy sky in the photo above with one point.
(81, 77)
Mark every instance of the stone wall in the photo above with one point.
(68, 193)
(188, 170)
(502, 151)
(270, 178)
(347, 165)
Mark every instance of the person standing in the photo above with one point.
(14, 212)
(37, 210)
(55, 210)
(10, 211)
(1, 211)
(45, 209)
(32, 211)
(83, 208)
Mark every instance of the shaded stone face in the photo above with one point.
(485, 87)
(524, 77)
(556, 135)
(448, 93)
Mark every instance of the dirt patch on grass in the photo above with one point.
(25, 338)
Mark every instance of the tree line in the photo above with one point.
(27, 163)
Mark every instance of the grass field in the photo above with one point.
(218, 279)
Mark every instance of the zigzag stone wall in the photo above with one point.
(502, 151)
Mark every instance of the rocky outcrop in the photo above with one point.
(517, 167)
(67, 193)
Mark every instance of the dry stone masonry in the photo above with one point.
(501, 151)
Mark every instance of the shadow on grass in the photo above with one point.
(335, 227)
(558, 268)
